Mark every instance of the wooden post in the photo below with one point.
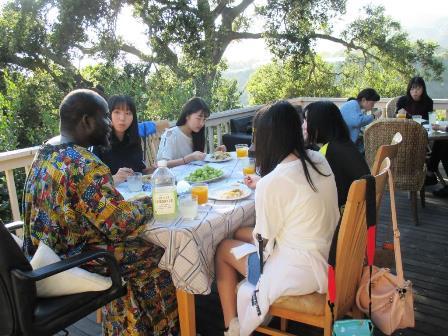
(219, 134)
(210, 139)
(12, 194)
(187, 314)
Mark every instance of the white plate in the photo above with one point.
(208, 158)
(219, 194)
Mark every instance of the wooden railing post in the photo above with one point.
(13, 200)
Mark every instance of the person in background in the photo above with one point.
(439, 152)
(186, 141)
(296, 215)
(416, 101)
(328, 132)
(71, 205)
(124, 156)
(354, 117)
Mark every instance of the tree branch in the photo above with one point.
(352, 45)
(136, 52)
(237, 10)
(219, 8)
(243, 35)
(348, 45)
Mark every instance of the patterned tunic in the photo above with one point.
(71, 204)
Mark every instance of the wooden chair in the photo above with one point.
(313, 309)
(408, 167)
(150, 144)
(383, 152)
(391, 108)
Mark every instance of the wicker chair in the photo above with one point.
(409, 165)
(313, 309)
(385, 151)
(391, 108)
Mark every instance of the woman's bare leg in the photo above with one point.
(245, 234)
(227, 269)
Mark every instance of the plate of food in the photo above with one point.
(205, 174)
(218, 157)
(230, 193)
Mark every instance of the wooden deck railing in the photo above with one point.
(216, 125)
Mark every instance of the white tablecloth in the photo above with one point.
(190, 245)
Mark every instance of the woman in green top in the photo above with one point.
(328, 132)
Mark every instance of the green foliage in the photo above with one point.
(158, 94)
(281, 80)
(356, 74)
(131, 80)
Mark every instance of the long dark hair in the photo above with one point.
(279, 133)
(417, 81)
(194, 105)
(325, 123)
(131, 134)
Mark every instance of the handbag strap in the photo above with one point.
(397, 249)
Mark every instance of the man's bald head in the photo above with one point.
(77, 104)
(84, 118)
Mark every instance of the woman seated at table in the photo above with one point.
(328, 133)
(296, 215)
(416, 101)
(125, 156)
(354, 117)
(186, 141)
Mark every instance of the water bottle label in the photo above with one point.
(164, 200)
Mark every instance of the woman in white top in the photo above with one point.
(296, 214)
(186, 141)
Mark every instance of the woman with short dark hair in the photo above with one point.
(328, 132)
(352, 112)
(125, 155)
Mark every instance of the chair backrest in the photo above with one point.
(351, 246)
(11, 257)
(385, 151)
(150, 143)
(241, 125)
(391, 108)
(408, 165)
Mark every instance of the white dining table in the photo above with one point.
(190, 245)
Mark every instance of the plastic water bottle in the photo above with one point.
(164, 194)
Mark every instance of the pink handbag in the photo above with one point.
(391, 299)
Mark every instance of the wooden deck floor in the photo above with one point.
(425, 259)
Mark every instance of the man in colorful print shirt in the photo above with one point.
(71, 204)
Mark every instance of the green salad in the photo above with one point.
(205, 173)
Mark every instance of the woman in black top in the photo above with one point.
(125, 155)
(416, 101)
(326, 129)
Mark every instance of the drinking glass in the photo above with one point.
(432, 117)
(135, 182)
(188, 206)
(242, 151)
(249, 167)
(401, 115)
(201, 192)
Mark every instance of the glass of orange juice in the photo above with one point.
(201, 192)
(401, 115)
(242, 151)
(249, 167)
